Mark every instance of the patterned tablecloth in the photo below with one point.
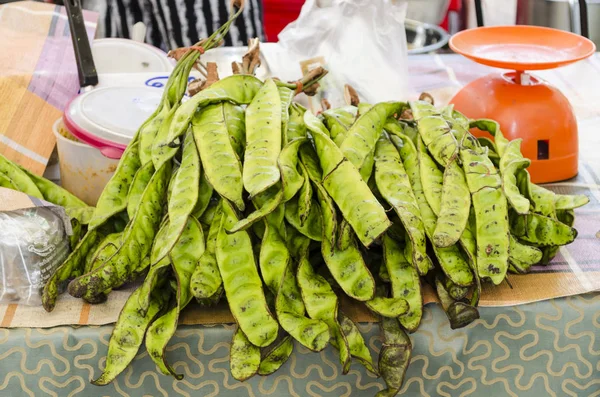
(546, 348)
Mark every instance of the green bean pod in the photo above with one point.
(239, 89)
(54, 193)
(138, 185)
(432, 178)
(493, 128)
(186, 186)
(541, 230)
(235, 120)
(362, 136)
(286, 96)
(291, 179)
(296, 127)
(220, 163)
(394, 356)
(184, 257)
(205, 192)
(113, 198)
(329, 155)
(18, 178)
(511, 164)
(104, 250)
(522, 256)
(206, 279)
(356, 343)
(405, 283)
(74, 263)
(242, 283)
(263, 140)
(314, 334)
(311, 228)
(149, 131)
(339, 121)
(357, 204)
(322, 304)
(305, 195)
(162, 153)
(128, 334)
(7, 182)
(388, 307)
(272, 197)
(346, 266)
(435, 132)
(244, 357)
(450, 259)
(570, 202)
(459, 313)
(276, 356)
(491, 215)
(394, 185)
(454, 208)
(137, 242)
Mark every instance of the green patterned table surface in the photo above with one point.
(549, 348)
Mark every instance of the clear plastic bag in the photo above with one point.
(362, 43)
(33, 242)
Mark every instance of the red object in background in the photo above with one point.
(278, 14)
(454, 7)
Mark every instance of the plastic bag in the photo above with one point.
(360, 42)
(33, 242)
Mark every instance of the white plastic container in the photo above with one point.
(84, 170)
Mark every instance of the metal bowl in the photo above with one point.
(423, 38)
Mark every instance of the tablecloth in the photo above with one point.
(549, 348)
(537, 349)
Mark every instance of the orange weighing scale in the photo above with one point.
(525, 106)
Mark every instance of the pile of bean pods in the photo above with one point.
(241, 194)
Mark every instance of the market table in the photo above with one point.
(535, 349)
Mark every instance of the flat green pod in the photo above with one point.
(128, 334)
(206, 280)
(220, 163)
(311, 228)
(394, 356)
(339, 121)
(138, 238)
(275, 357)
(570, 202)
(542, 230)
(263, 140)
(239, 89)
(139, 183)
(291, 179)
(113, 198)
(296, 127)
(388, 307)
(432, 178)
(235, 120)
(347, 266)
(394, 185)
(435, 132)
(18, 178)
(356, 343)
(329, 155)
(362, 136)
(511, 164)
(242, 283)
(244, 357)
(459, 313)
(455, 207)
(271, 198)
(322, 304)
(405, 283)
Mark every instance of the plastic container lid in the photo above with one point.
(115, 55)
(108, 118)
